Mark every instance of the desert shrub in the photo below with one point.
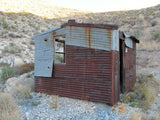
(35, 103)
(2, 64)
(5, 25)
(154, 23)
(52, 101)
(141, 95)
(136, 116)
(23, 89)
(24, 68)
(8, 107)
(155, 116)
(156, 35)
(32, 42)
(11, 49)
(125, 98)
(7, 72)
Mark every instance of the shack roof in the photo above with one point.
(103, 26)
(123, 35)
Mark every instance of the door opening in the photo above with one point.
(122, 66)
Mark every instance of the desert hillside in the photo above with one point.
(21, 19)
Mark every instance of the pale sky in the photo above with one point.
(106, 5)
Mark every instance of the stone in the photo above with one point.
(18, 61)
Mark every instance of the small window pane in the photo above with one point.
(59, 58)
(59, 46)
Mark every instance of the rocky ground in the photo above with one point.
(49, 107)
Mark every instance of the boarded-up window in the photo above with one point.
(60, 49)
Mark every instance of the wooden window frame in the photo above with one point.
(64, 53)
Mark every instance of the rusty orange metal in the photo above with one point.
(89, 36)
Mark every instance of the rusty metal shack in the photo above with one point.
(94, 62)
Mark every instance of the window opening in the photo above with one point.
(59, 49)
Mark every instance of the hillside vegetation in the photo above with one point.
(26, 18)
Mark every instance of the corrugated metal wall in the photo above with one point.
(130, 67)
(104, 39)
(89, 74)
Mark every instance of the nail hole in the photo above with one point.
(45, 40)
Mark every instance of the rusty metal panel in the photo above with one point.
(88, 74)
(104, 39)
(130, 67)
(44, 55)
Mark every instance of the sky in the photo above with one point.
(106, 5)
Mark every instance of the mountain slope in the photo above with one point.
(43, 8)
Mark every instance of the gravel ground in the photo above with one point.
(38, 108)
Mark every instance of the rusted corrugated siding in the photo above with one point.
(88, 74)
(116, 75)
(130, 67)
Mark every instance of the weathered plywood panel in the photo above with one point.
(44, 55)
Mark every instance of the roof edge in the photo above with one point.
(131, 36)
(72, 22)
(45, 32)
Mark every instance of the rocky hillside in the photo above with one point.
(43, 8)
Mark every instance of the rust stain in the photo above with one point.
(109, 31)
(86, 36)
(89, 37)
(70, 32)
(54, 33)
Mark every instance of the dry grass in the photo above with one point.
(136, 116)
(52, 101)
(8, 108)
(144, 92)
(24, 68)
(23, 89)
(155, 116)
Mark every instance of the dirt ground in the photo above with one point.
(148, 63)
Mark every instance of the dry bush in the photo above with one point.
(8, 107)
(155, 116)
(136, 116)
(25, 68)
(23, 88)
(144, 92)
(52, 101)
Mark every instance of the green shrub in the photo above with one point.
(35, 103)
(32, 42)
(2, 64)
(11, 49)
(156, 35)
(125, 98)
(5, 25)
(7, 72)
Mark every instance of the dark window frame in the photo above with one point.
(64, 50)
